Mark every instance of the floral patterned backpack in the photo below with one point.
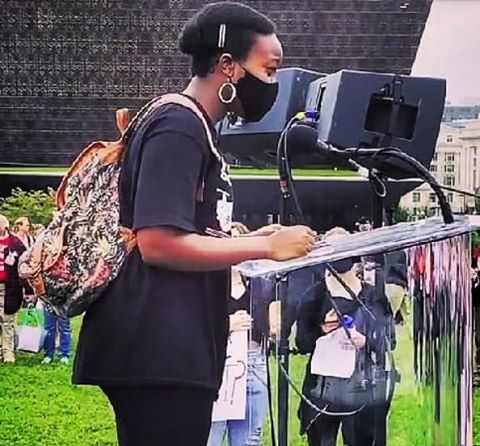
(83, 249)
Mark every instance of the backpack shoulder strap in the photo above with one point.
(127, 128)
(185, 101)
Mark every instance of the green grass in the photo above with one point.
(39, 407)
(296, 172)
(234, 171)
(36, 170)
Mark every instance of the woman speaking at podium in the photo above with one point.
(155, 341)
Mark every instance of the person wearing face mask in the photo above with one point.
(155, 341)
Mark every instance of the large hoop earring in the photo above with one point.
(233, 93)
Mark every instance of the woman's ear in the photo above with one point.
(227, 65)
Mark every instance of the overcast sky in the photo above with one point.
(450, 48)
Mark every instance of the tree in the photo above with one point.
(37, 205)
(402, 214)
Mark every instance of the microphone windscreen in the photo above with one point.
(302, 138)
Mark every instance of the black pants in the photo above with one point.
(357, 430)
(161, 415)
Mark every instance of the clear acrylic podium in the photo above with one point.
(373, 342)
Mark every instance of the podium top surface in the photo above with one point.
(377, 241)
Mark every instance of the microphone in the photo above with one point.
(303, 138)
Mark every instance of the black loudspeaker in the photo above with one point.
(255, 143)
(362, 109)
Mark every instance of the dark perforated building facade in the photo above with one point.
(65, 66)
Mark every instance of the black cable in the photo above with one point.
(459, 191)
(420, 169)
(430, 179)
(286, 181)
(293, 192)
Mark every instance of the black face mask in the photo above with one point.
(256, 96)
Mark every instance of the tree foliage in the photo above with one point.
(37, 205)
(402, 214)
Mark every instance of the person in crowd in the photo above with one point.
(155, 340)
(56, 324)
(352, 411)
(396, 285)
(395, 276)
(363, 225)
(22, 230)
(11, 289)
(249, 430)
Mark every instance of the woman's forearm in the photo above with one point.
(193, 252)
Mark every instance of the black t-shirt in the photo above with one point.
(153, 325)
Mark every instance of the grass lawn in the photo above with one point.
(296, 172)
(39, 407)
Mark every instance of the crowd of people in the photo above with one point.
(16, 293)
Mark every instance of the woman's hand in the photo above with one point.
(331, 322)
(240, 321)
(265, 231)
(291, 242)
(358, 339)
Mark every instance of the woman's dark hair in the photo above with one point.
(342, 266)
(199, 37)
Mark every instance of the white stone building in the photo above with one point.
(456, 163)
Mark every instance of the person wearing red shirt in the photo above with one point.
(11, 291)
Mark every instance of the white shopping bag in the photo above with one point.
(333, 355)
(30, 333)
(30, 339)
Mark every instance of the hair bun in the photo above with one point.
(191, 40)
(196, 40)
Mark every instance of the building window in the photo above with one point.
(474, 162)
(416, 197)
(433, 198)
(449, 138)
(449, 157)
(449, 168)
(449, 180)
(435, 156)
(433, 168)
(474, 149)
(450, 197)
